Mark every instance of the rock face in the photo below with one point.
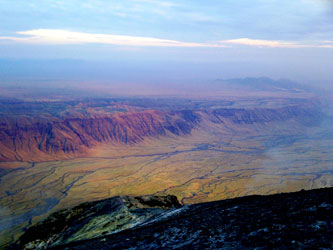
(265, 115)
(302, 220)
(45, 137)
(93, 219)
(56, 138)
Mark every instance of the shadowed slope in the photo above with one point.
(291, 220)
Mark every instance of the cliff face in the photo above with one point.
(301, 113)
(301, 220)
(35, 138)
(38, 138)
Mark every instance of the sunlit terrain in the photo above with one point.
(238, 146)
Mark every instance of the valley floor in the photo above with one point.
(198, 168)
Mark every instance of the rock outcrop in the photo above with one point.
(93, 219)
(301, 220)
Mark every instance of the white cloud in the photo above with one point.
(276, 44)
(328, 41)
(57, 36)
(54, 36)
(263, 43)
(328, 46)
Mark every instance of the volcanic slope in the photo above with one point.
(301, 220)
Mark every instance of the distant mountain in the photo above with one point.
(300, 220)
(261, 84)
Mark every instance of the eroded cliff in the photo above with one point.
(44, 137)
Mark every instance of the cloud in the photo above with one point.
(262, 43)
(327, 46)
(58, 36)
(275, 44)
(55, 36)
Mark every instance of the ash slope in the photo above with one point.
(292, 220)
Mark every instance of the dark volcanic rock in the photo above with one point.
(301, 220)
(93, 219)
(164, 202)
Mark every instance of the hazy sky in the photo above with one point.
(208, 39)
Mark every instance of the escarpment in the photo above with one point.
(39, 138)
(29, 138)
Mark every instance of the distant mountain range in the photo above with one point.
(261, 84)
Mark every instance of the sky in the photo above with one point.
(183, 40)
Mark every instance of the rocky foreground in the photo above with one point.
(302, 220)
